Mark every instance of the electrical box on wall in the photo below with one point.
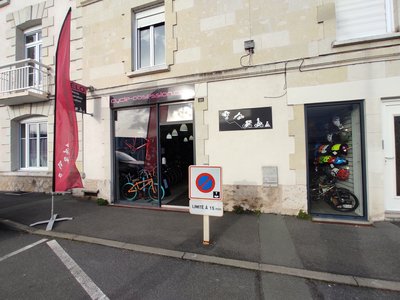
(249, 46)
(270, 176)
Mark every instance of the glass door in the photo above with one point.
(136, 156)
(391, 143)
(177, 151)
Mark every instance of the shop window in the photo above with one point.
(153, 150)
(33, 144)
(361, 19)
(149, 32)
(335, 159)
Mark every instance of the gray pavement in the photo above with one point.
(365, 256)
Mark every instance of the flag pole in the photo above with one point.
(53, 216)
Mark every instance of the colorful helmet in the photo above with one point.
(339, 148)
(343, 174)
(326, 159)
(340, 161)
(323, 149)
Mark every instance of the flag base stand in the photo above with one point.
(52, 219)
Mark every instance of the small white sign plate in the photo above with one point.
(206, 207)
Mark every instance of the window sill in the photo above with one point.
(148, 71)
(368, 39)
(88, 2)
(35, 173)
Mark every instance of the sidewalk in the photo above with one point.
(349, 254)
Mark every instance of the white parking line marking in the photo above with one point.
(88, 285)
(22, 249)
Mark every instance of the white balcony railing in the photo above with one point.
(24, 75)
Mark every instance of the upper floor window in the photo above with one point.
(150, 38)
(364, 18)
(33, 50)
(33, 143)
(33, 44)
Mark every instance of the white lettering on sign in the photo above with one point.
(66, 159)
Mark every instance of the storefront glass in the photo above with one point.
(153, 150)
(335, 159)
(136, 156)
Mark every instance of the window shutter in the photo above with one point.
(360, 18)
(150, 17)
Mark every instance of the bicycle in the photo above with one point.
(340, 199)
(130, 189)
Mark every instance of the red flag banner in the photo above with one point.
(66, 144)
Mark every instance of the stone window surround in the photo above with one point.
(4, 2)
(25, 18)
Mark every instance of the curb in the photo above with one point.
(248, 265)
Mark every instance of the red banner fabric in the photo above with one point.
(66, 145)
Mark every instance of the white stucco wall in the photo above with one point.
(243, 153)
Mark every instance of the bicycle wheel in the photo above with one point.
(343, 200)
(128, 192)
(153, 192)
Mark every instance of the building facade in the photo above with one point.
(297, 101)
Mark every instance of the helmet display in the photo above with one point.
(340, 161)
(343, 174)
(339, 149)
(326, 159)
(323, 149)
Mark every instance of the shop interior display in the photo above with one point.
(137, 165)
(330, 163)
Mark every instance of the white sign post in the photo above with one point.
(205, 194)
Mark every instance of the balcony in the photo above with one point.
(24, 81)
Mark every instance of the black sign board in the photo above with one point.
(245, 119)
(176, 93)
(79, 96)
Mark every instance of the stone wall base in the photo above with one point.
(13, 183)
(103, 186)
(282, 199)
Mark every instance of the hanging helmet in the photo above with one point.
(333, 171)
(340, 161)
(326, 159)
(343, 174)
(323, 149)
(344, 148)
(339, 149)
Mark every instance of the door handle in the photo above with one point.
(389, 157)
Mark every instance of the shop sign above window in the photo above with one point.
(79, 96)
(245, 119)
(160, 95)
